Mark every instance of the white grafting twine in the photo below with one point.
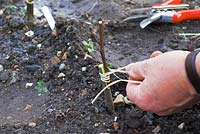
(106, 78)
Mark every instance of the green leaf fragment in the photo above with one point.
(40, 86)
(110, 65)
(89, 45)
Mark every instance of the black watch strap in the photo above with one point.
(191, 70)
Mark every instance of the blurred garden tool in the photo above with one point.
(171, 11)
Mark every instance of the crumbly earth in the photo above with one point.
(66, 107)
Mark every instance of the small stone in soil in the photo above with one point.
(32, 124)
(181, 126)
(83, 69)
(62, 66)
(116, 93)
(39, 46)
(59, 53)
(76, 56)
(61, 75)
(1, 68)
(29, 85)
(119, 100)
(96, 124)
(29, 33)
(50, 110)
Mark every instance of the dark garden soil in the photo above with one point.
(47, 81)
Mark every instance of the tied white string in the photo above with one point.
(106, 78)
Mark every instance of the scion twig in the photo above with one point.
(108, 95)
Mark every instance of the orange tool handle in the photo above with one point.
(169, 2)
(186, 15)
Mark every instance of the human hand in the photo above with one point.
(165, 88)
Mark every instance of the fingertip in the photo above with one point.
(155, 53)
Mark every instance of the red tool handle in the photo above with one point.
(169, 2)
(186, 15)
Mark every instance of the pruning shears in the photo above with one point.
(170, 11)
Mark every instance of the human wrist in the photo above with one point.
(193, 70)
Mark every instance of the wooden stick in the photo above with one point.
(30, 13)
(108, 95)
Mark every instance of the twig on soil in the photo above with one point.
(104, 69)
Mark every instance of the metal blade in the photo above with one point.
(136, 18)
(150, 20)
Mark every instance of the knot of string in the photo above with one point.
(105, 77)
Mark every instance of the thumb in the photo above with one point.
(136, 71)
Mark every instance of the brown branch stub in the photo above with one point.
(108, 95)
(30, 13)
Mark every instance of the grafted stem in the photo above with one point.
(108, 95)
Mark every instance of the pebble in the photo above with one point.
(76, 56)
(181, 126)
(61, 75)
(116, 93)
(62, 66)
(50, 110)
(96, 124)
(29, 33)
(39, 46)
(29, 85)
(119, 100)
(83, 69)
(32, 124)
(59, 53)
(1, 68)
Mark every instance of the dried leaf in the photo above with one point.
(28, 106)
